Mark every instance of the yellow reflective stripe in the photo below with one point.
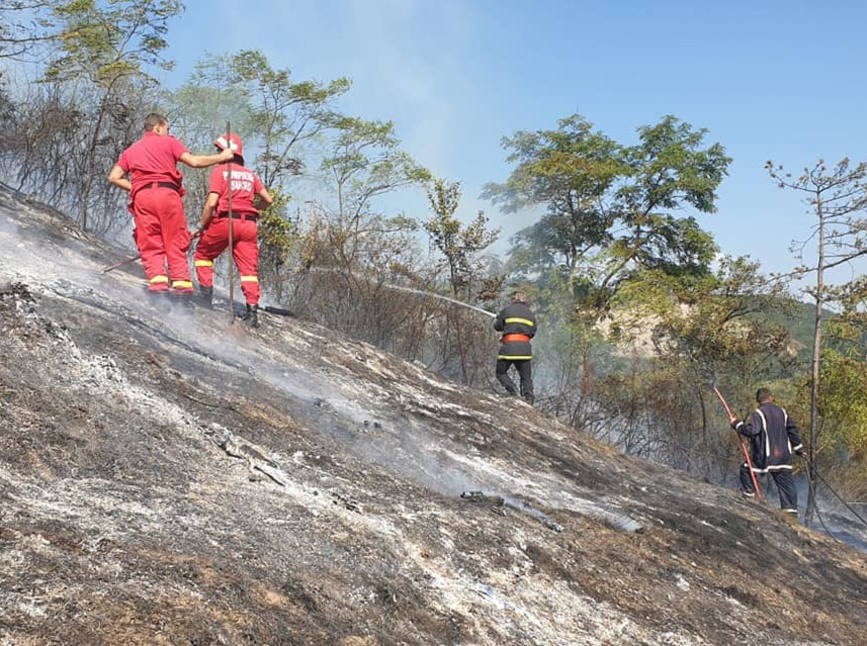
(159, 279)
(203, 263)
(182, 283)
(517, 320)
(249, 279)
(513, 356)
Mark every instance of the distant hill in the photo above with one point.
(799, 318)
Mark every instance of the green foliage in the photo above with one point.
(668, 339)
(104, 50)
(843, 399)
(669, 169)
(277, 233)
(280, 113)
(677, 246)
(365, 158)
(458, 244)
(570, 170)
(609, 206)
(365, 162)
(275, 116)
(836, 199)
(718, 323)
(109, 40)
(842, 441)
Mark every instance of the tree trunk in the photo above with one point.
(462, 349)
(91, 153)
(816, 368)
(705, 448)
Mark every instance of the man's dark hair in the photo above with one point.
(763, 395)
(153, 120)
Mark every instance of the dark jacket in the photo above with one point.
(773, 437)
(518, 325)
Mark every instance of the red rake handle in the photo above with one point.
(743, 446)
(723, 401)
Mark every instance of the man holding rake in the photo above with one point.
(773, 438)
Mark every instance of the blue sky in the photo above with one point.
(769, 80)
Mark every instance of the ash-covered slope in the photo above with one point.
(169, 479)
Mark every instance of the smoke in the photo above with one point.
(361, 415)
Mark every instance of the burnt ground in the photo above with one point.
(169, 478)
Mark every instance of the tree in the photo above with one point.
(836, 198)
(350, 239)
(458, 244)
(609, 207)
(724, 328)
(570, 171)
(364, 163)
(93, 59)
(668, 170)
(25, 25)
(110, 45)
(843, 436)
(281, 113)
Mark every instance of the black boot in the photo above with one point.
(205, 296)
(252, 317)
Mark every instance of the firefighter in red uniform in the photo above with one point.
(213, 227)
(155, 190)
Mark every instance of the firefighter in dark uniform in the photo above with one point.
(518, 325)
(773, 438)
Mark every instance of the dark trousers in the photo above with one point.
(524, 372)
(785, 485)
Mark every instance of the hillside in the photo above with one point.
(168, 479)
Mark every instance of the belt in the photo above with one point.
(170, 185)
(241, 216)
(515, 337)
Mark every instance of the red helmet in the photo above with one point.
(234, 143)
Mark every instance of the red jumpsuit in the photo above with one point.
(245, 185)
(155, 201)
